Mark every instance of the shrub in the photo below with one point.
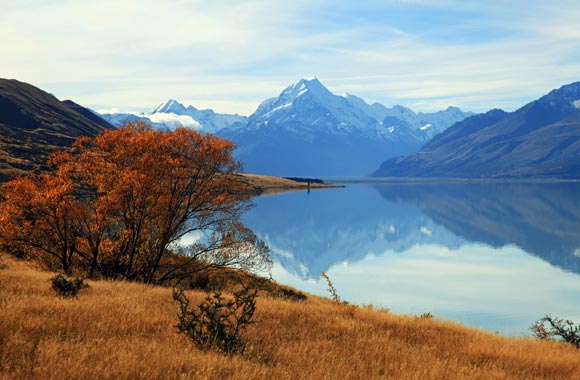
(200, 281)
(308, 180)
(291, 295)
(217, 322)
(3, 264)
(557, 328)
(331, 289)
(67, 288)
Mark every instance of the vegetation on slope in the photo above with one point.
(267, 185)
(116, 206)
(121, 204)
(121, 330)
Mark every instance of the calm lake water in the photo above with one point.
(495, 256)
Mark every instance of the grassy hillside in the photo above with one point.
(267, 185)
(119, 330)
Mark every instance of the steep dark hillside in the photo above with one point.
(92, 116)
(34, 124)
(541, 139)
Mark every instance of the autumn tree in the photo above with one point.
(122, 205)
(36, 220)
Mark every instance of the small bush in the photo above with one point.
(370, 306)
(201, 282)
(426, 315)
(557, 328)
(67, 288)
(331, 289)
(292, 295)
(217, 322)
(307, 180)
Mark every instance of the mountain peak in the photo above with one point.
(566, 96)
(310, 80)
(170, 106)
(311, 84)
(402, 110)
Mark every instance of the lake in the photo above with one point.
(497, 256)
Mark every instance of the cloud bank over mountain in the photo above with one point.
(228, 56)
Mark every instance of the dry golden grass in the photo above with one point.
(268, 185)
(119, 330)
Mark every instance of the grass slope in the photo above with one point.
(268, 185)
(119, 330)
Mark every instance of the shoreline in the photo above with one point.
(270, 185)
(418, 180)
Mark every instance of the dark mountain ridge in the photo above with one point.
(34, 123)
(541, 139)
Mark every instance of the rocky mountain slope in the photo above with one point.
(540, 140)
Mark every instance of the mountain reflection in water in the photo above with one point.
(543, 219)
(495, 255)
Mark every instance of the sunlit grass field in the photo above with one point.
(120, 330)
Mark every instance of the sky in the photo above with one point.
(130, 55)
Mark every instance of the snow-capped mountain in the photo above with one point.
(171, 106)
(118, 119)
(397, 117)
(309, 131)
(171, 114)
(308, 104)
(208, 120)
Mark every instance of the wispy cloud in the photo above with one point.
(231, 55)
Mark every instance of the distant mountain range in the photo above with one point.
(541, 140)
(34, 124)
(308, 131)
(171, 114)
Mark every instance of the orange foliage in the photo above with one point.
(116, 204)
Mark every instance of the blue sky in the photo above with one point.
(231, 55)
